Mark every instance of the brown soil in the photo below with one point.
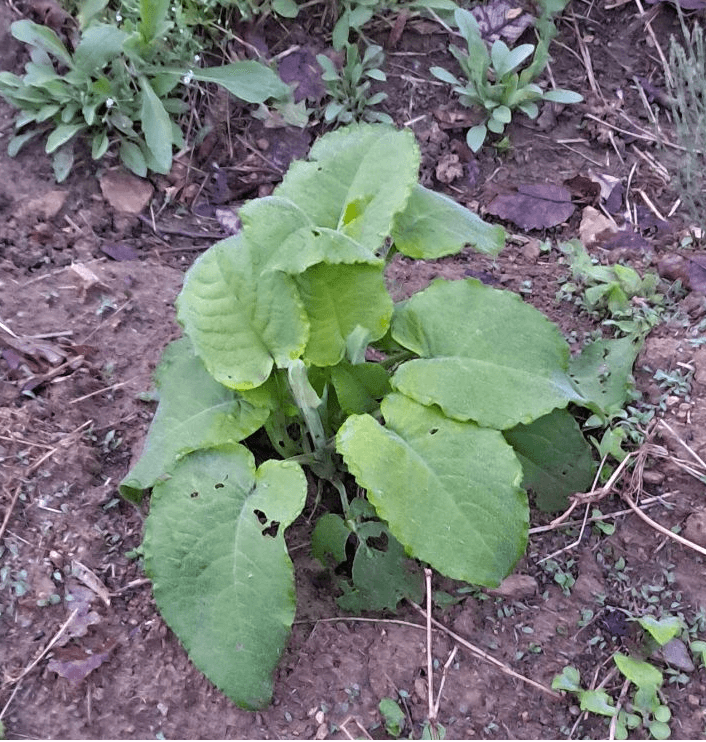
(88, 330)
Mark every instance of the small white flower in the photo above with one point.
(197, 58)
(118, 17)
(188, 77)
(109, 103)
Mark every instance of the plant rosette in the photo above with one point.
(466, 411)
(492, 82)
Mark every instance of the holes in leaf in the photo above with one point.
(433, 431)
(194, 495)
(380, 543)
(260, 516)
(218, 485)
(271, 530)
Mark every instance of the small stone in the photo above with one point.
(653, 477)
(695, 528)
(676, 654)
(531, 251)
(47, 206)
(516, 587)
(125, 192)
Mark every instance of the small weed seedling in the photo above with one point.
(645, 711)
(349, 87)
(280, 322)
(493, 83)
(117, 87)
(630, 302)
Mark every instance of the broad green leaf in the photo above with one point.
(359, 387)
(157, 127)
(556, 459)
(662, 630)
(42, 37)
(337, 299)
(328, 540)
(444, 75)
(467, 24)
(153, 19)
(88, 10)
(241, 323)
(248, 80)
(602, 373)
(283, 238)
(131, 156)
(285, 8)
(18, 141)
(62, 162)
(486, 355)
(502, 114)
(356, 180)
(475, 137)
(699, 648)
(505, 60)
(214, 549)
(597, 702)
(449, 491)
(530, 109)
(562, 96)
(642, 673)
(194, 412)
(393, 716)
(100, 144)
(497, 127)
(569, 679)
(62, 134)
(381, 577)
(100, 44)
(660, 730)
(433, 225)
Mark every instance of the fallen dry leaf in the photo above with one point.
(533, 206)
(684, 4)
(119, 251)
(627, 241)
(301, 67)
(516, 586)
(691, 271)
(46, 207)
(584, 190)
(125, 192)
(229, 220)
(75, 663)
(457, 118)
(595, 227)
(500, 19)
(449, 168)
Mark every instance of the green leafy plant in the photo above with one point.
(349, 87)
(646, 709)
(354, 14)
(492, 82)
(115, 89)
(250, 9)
(393, 716)
(630, 301)
(281, 323)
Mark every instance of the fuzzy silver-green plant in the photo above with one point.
(687, 84)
